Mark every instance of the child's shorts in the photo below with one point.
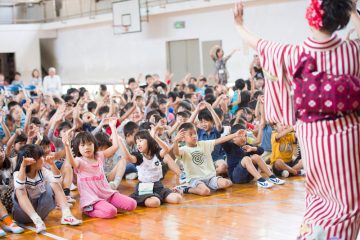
(42, 205)
(241, 175)
(159, 191)
(210, 182)
(291, 164)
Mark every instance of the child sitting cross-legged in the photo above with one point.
(150, 192)
(198, 164)
(243, 160)
(37, 190)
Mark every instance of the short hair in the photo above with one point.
(103, 109)
(71, 90)
(205, 115)
(203, 79)
(83, 137)
(189, 95)
(237, 127)
(91, 106)
(45, 141)
(35, 120)
(64, 125)
(192, 86)
(149, 114)
(219, 112)
(173, 95)
(239, 84)
(185, 105)
(103, 140)
(28, 151)
(21, 138)
(103, 87)
(210, 98)
(130, 128)
(184, 114)
(131, 80)
(209, 90)
(187, 126)
(12, 104)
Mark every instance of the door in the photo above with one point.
(183, 57)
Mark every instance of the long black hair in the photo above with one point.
(153, 146)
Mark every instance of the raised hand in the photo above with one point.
(112, 122)
(180, 135)
(27, 161)
(239, 14)
(50, 160)
(67, 137)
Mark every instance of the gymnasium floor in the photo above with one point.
(241, 212)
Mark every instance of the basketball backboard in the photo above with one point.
(126, 16)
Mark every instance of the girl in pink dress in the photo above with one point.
(313, 85)
(97, 199)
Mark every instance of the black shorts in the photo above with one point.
(291, 164)
(159, 191)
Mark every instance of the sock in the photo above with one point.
(117, 180)
(67, 191)
(66, 212)
(261, 179)
(7, 220)
(272, 176)
(35, 218)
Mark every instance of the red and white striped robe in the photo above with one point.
(329, 148)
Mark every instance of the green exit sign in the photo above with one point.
(179, 24)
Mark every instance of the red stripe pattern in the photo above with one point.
(330, 149)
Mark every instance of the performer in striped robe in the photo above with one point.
(329, 145)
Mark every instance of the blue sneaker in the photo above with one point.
(264, 184)
(277, 181)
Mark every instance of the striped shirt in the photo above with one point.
(334, 56)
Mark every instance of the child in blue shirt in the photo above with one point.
(210, 128)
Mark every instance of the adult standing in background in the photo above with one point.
(217, 55)
(52, 83)
(35, 78)
(329, 138)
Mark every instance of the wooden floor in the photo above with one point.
(241, 212)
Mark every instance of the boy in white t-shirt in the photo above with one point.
(198, 163)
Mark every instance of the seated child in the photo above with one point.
(150, 192)
(97, 199)
(243, 160)
(37, 190)
(282, 142)
(198, 164)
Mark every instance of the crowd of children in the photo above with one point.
(209, 136)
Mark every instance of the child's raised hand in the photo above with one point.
(50, 160)
(66, 139)
(180, 135)
(27, 161)
(240, 133)
(112, 122)
(18, 131)
(202, 106)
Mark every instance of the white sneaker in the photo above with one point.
(131, 176)
(285, 174)
(2, 233)
(40, 226)
(70, 220)
(276, 181)
(14, 228)
(264, 184)
(69, 199)
(73, 187)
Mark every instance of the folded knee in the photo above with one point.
(152, 202)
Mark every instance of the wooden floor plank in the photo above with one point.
(241, 212)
